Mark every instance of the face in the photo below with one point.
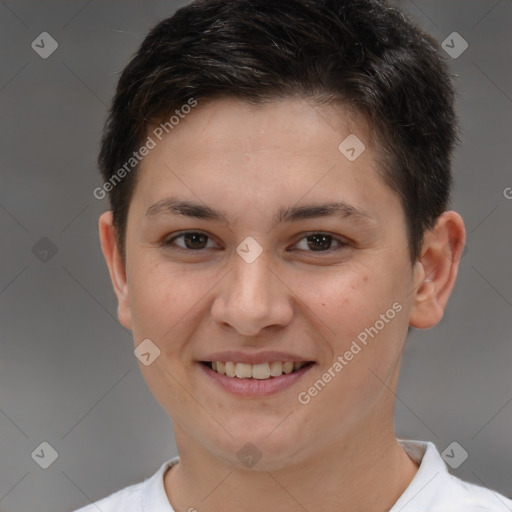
(261, 268)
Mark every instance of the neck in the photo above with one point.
(335, 478)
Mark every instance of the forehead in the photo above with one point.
(229, 125)
(241, 155)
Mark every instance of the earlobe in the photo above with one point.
(436, 270)
(116, 267)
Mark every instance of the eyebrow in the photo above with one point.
(340, 209)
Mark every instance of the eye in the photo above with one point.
(320, 242)
(193, 241)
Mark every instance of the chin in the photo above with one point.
(259, 449)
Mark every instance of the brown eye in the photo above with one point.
(192, 241)
(320, 242)
(195, 240)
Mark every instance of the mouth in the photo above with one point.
(261, 371)
(255, 380)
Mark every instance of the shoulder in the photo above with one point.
(435, 489)
(146, 495)
(127, 500)
(469, 497)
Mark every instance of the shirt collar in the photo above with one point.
(431, 468)
(154, 497)
(427, 479)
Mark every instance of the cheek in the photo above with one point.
(160, 298)
(364, 306)
(347, 300)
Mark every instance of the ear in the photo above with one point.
(116, 267)
(436, 270)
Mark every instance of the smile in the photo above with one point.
(255, 380)
(261, 371)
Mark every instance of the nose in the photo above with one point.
(251, 298)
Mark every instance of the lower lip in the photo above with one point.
(256, 387)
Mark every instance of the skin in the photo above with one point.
(250, 161)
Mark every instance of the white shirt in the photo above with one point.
(432, 489)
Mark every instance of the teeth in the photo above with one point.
(260, 371)
(243, 370)
(230, 369)
(276, 368)
(288, 367)
(256, 371)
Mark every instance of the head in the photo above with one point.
(323, 130)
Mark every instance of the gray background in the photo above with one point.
(67, 371)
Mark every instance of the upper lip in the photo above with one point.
(267, 356)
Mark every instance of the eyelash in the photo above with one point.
(169, 243)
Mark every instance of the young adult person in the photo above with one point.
(279, 176)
